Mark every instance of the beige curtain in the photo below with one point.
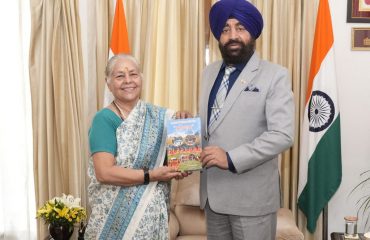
(57, 91)
(167, 37)
(100, 19)
(287, 40)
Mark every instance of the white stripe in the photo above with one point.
(325, 81)
(148, 193)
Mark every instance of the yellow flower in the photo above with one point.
(62, 210)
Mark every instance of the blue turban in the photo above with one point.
(242, 10)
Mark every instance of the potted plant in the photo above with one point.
(363, 203)
(61, 213)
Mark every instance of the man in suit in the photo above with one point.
(247, 112)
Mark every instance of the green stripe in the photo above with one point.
(324, 175)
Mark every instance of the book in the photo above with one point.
(184, 144)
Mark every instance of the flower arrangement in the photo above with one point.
(65, 210)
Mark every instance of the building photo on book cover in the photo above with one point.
(184, 144)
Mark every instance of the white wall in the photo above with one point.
(353, 78)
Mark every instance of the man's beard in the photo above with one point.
(235, 56)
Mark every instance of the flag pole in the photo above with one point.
(325, 222)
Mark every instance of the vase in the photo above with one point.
(60, 232)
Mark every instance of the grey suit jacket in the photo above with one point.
(255, 125)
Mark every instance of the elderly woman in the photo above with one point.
(129, 189)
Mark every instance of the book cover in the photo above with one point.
(184, 144)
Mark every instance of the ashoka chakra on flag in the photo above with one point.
(321, 111)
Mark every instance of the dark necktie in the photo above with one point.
(220, 96)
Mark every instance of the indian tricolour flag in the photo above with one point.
(119, 41)
(320, 168)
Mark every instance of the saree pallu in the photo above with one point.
(141, 211)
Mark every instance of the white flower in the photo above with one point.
(70, 201)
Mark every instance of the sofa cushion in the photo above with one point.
(286, 228)
(188, 190)
(174, 226)
(191, 220)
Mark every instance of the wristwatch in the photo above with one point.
(146, 175)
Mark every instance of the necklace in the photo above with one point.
(120, 111)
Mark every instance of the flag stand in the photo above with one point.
(325, 222)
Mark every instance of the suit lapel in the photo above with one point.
(248, 73)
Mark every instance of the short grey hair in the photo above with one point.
(113, 60)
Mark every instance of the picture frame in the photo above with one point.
(361, 39)
(358, 11)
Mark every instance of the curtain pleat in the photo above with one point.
(103, 28)
(57, 90)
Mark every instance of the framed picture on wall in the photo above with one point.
(361, 39)
(358, 11)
